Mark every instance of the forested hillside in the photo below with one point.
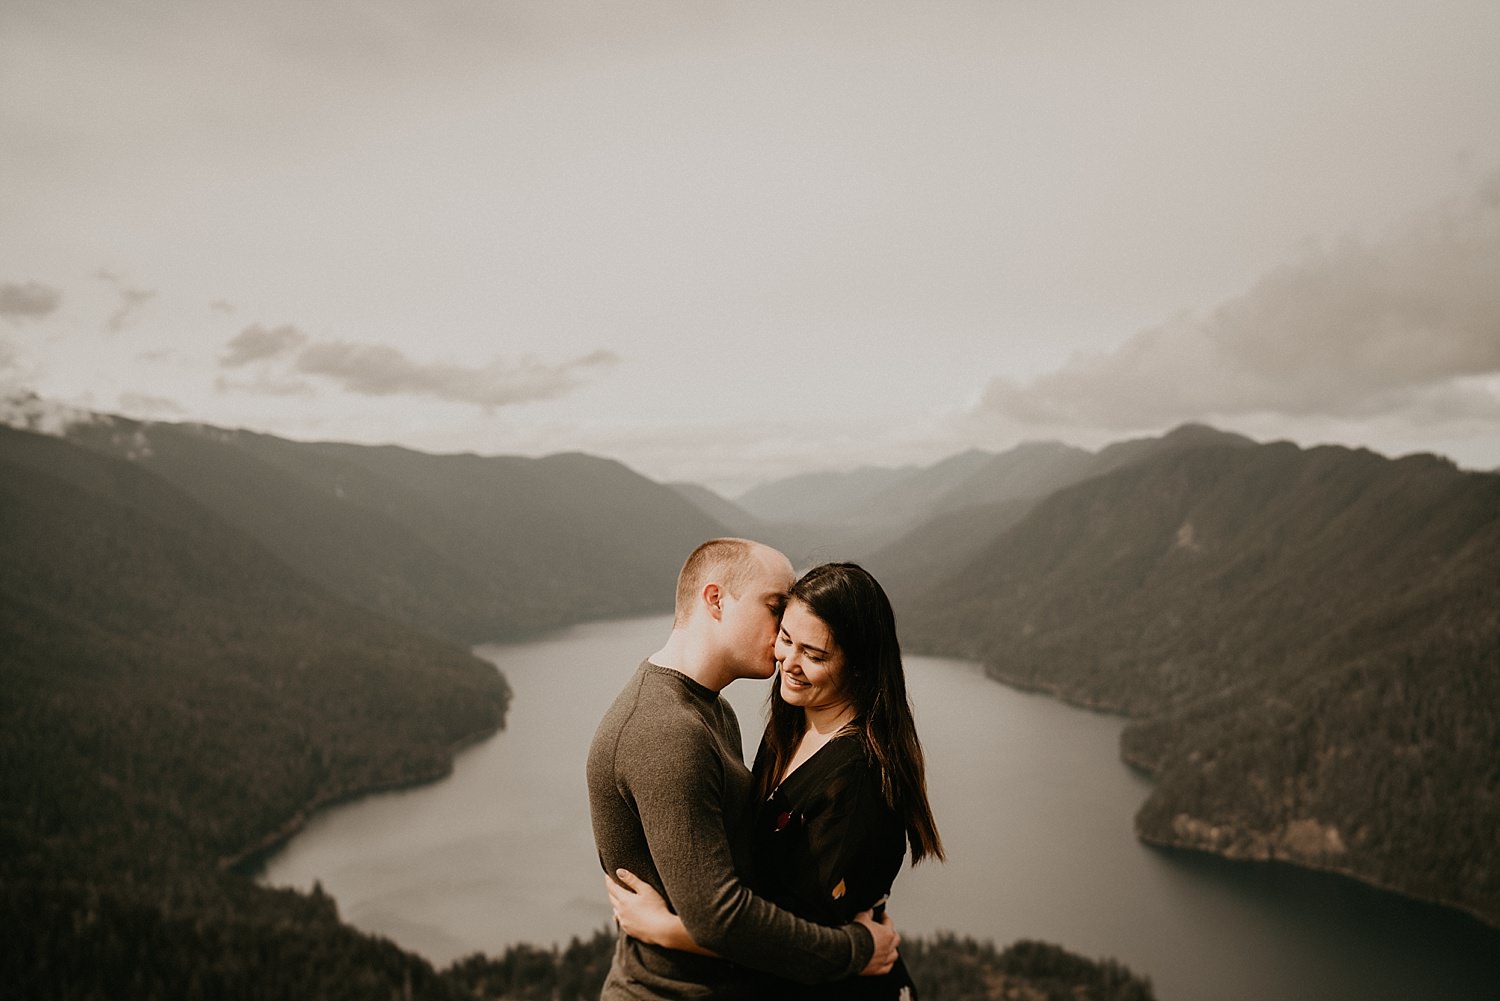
(473, 548)
(976, 511)
(1309, 638)
(176, 697)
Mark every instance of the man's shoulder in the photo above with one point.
(659, 706)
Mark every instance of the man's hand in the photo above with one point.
(886, 940)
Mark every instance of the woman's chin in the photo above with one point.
(791, 696)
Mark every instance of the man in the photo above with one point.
(670, 796)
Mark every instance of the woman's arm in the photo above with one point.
(642, 914)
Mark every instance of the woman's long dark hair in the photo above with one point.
(858, 614)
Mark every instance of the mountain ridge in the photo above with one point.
(474, 548)
(1223, 589)
(178, 697)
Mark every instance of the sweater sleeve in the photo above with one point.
(677, 786)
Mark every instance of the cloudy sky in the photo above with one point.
(730, 241)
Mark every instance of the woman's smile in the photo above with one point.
(811, 663)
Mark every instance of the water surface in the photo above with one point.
(1031, 798)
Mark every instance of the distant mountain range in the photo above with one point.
(1309, 639)
(206, 632)
(472, 548)
(915, 524)
(174, 697)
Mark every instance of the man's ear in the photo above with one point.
(713, 599)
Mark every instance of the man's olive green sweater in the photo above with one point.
(670, 798)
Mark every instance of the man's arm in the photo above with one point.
(642, 913)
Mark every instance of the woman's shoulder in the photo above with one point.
(841, 763)
(848, 748)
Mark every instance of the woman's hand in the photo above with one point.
(642, 914)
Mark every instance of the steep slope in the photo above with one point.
(971, 515)
(1308, 632)
(914, 496)
(1030, 470)
(470, 547)
(726, 512)
(173, 697)
(926, 556)
(821, 496)
(163, 665)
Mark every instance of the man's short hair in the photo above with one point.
(726, 562)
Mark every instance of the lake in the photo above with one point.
(1030, 796)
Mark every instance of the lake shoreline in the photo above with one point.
(1039, 816)
(251, 861)
(1053, 691)
(1171, 845)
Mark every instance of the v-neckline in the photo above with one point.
(843, 731)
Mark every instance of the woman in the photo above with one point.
(839, 774)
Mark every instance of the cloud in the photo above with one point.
(1410, 322)
(147, 406)
(132, 300)
(377, 370)
(282, 355)
(27, 300)
(264, 384)
(256, 343)
(22, 408)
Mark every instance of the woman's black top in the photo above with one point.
(827, 847)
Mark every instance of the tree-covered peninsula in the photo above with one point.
(1308, 641)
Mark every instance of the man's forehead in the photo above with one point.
(774, 592)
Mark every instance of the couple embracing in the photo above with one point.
(729, 882)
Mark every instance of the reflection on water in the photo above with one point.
(1033, 803)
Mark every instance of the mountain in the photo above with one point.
(1029, 470)
(821, 496)
(175, 697)
(735, 519)
(886, 501)
(913, 496)
(469, 547)
(1124, 453)
(927, 555)
(816, 517)
(998, 493)
(800, 541)
(870, 497)
(134, 613)
(1309, 639)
